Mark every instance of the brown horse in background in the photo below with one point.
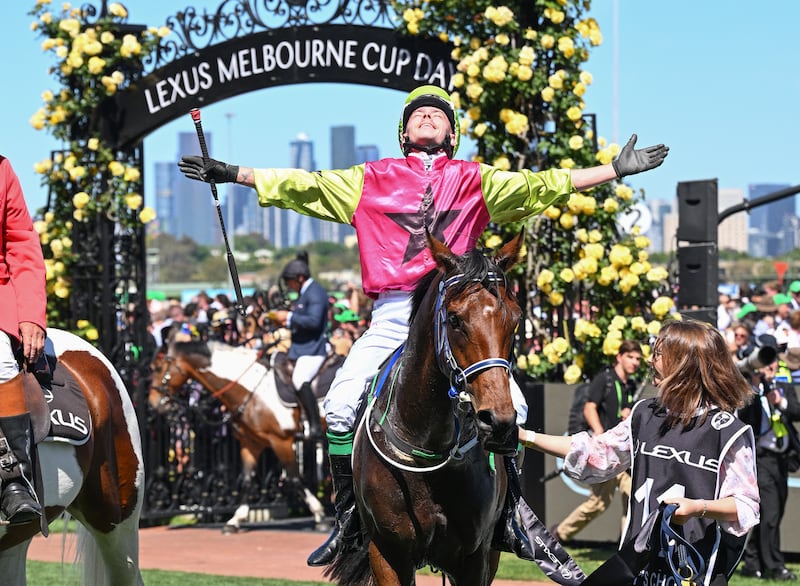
(245, 385)
(428, 480)
(99, 482)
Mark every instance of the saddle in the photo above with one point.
(320, 383)
(57, 406)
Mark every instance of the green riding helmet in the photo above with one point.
(430, 95)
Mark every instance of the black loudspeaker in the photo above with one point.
(708, 315)
(698, 274)
(697, 211)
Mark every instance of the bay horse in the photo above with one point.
(99, 482)
(427, 471)
(238, 378)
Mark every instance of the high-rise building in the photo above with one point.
(164, 200)
(659, 209)
(732, 232)
(367, 152)
(771, 227)
(193, 212)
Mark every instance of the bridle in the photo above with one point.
(444, 354)
(163, 388)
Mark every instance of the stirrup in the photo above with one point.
(24, 506)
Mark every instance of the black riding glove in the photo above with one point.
(630, 162)
(213, 170)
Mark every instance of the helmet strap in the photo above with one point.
(428, 149)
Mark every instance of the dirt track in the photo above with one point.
(260, 552)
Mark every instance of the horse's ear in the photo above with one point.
(443, 256)
(508, 256)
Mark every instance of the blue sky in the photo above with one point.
(715, 80)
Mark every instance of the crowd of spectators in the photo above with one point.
(218, 318)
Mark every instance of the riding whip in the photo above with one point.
(195, 112)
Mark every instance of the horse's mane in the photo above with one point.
(193, 347)
(474, 266)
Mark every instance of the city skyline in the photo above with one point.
(758, 233)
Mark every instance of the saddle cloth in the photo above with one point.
(59, 411)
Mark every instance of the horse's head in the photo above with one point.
(171, 370)
(475, 316)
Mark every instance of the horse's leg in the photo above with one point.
(476, 569)
(12, 564)
(249, 454)
(387, 574)
(119, 554)
(285, 451)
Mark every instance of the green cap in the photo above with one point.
(746, 308)
(794, 287)
(347, 315)
(781, 299)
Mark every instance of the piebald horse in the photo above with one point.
(99, 482)
(239, 380)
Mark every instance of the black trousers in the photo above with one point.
(763, 551)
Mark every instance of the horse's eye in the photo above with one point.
(453, 321)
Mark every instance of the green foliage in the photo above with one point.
(520, 82)
(88, 182)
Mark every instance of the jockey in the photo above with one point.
(391, 202)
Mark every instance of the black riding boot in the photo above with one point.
(18, 502)
(308, 402)
(345, 527)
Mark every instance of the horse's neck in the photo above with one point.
(228, 392)
(421, 398)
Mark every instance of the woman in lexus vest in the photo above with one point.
(685, 446)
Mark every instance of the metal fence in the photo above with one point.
(193, 467)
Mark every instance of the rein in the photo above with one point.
(458, 394)
(172, 362)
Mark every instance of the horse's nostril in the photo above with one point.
(486, 418)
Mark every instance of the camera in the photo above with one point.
(759, 358)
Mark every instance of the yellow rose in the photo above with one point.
(572, 375)
(575, 142)
(661, 306)
(545, 277)
(552, 212)
(91, 334)
(80, 199)
(147, 215)
(567, 275)
(567, 221)
(657, 274)
(560, 344)
(116, 168)
(133, 201)
(611, 346)
(610, 205)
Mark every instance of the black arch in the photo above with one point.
(364, 55)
